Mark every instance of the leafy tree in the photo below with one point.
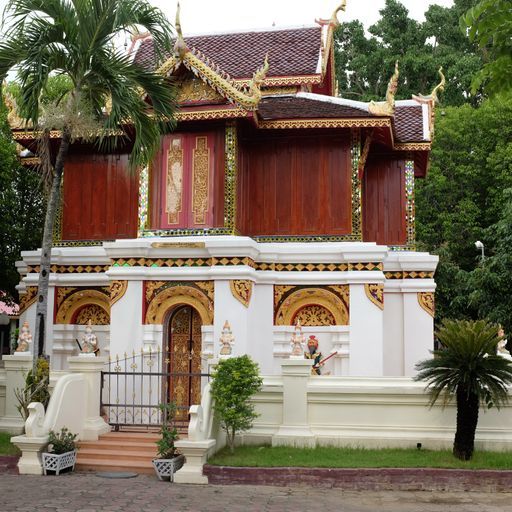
(235, 381)
(468, 368)
(489, 24)
(77, 40)
(21, 210)
(364, 63)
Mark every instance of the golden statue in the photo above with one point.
(387, 108)
(24, 338)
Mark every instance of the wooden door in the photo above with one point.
(185, 360)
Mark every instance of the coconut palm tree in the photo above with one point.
(467, 367)
(110, 95)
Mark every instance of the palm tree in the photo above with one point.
(110, 95)
(467, 366)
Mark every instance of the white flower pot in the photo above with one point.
(165, 468)
(54, 462)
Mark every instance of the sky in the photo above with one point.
(208, 16)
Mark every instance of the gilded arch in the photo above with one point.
(290, 300)
(73, 301)
(169, 297)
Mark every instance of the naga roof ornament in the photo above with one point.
(387, 108)
(246, 97)
(433, 97)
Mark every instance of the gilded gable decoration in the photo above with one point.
(297, 302)
(117, 291)
(427, 302)
(241, 290)
(375, 292)
(387, 108)
(160, 297)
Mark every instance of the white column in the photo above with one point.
(294, 430)
(126, 329)
(261, 326)
(91, 368)
(366, 335)
(393, 330)
(16, 368)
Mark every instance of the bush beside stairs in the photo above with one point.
(119, 451)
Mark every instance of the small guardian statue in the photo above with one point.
(313, 353)
(89, 341)
(226, 341)
(297, 342)
(24, 339)
(501, 350)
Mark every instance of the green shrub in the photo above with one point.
(235, 381)
(165, 446)
(36, 388)
(61, 442)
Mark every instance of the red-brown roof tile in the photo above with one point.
(291, 52)
(409, 124)
(292, 107)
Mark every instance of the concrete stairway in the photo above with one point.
(118, 451)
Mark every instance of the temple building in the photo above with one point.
(275, 201)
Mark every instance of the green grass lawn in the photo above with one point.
(6, 448)
(266, 456)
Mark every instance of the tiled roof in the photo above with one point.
(292, 107)
(291, 52)
(409, 123)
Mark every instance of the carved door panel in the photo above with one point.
(185, 360)
(186, 186)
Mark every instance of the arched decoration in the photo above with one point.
(93, 312)
(375, 292)
(330, 299)
(28, 298)
(169, 297)
(427, 302)
(71, 300)
(117, 291)
(314, 315)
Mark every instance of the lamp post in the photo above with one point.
(480, 245)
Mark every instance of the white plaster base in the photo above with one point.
(31, 448)
(196, 454)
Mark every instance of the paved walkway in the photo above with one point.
(88, 493)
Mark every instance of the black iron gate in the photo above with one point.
(132, 389)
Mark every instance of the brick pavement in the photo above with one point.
(88, 493)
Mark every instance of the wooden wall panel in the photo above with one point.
(100, 200)
(384, 201)
(295, 184)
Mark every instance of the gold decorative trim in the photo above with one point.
(408, 274)
(412, 146)
(242, 290)
(178, 245)
(174, 181)
(29, 162)
(117, 291)
(375, 292)
(364, 155)
(70, 300)
(200, 180)
(284, 81)
(427, 302)
(326, 123)
(204, 115)
(71, 269)
(289, 300)
(164, 296)
(28, 298)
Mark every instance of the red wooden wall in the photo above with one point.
(384, 201)
(295, 184)
(100, 200)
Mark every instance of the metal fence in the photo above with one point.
(134, 387)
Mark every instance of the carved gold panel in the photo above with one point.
(427, 302)
(314, 315)
(200, 180)
(28, 298)
(375, 292)
(241, 290)
(117, 291)
(82, 303)
(174, 181)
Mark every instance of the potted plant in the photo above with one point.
(169, 460)
(62, 454)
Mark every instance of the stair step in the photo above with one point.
(113, 455)
(119, 446)
(92, 464)
(141, 437)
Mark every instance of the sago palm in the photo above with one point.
(110, 94)
(467, 367)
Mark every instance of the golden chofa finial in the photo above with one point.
(387, 108)
(334, 18)
(258, 79)
(180, 47)
(440, 87)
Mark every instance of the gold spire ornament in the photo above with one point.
(180, 47)
(387, 108)
(334, 18)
